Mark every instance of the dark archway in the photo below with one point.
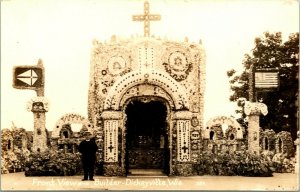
(146, 136)
(266, 143)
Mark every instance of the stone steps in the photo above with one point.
(146, 172)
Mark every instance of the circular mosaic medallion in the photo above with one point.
(116, 65)
(178, 62)
(177, 65)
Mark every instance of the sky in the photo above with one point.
(60, 32)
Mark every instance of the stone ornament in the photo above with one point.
(233, 127)
(177, 63)
(222, 120)
(217, 138)
(38, 104)
(255, 108)
(70, 118)
(116, 65)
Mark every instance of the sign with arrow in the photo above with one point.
(28, 77)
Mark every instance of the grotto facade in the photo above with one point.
(145, 109)
(146, 98)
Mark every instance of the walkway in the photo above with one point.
(17, 181)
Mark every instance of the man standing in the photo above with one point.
(88, 149)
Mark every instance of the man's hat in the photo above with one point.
(87, 133)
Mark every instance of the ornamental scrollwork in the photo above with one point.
(255, 108)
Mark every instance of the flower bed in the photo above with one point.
(243, 164)
(52, 164)
(227, 164)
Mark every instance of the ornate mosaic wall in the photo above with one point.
(152, 68)
(71, 118)
(217, 138)
(177, 68)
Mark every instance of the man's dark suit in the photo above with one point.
(88, 150)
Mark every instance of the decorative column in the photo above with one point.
(297, 143)
(253, 111)
(32, 78)
(183, 120)
(39, 106)
(111, 149)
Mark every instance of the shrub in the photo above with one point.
(282, 164)
(52, 164)
(244, 164)
(10, 162)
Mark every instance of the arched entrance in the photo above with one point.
(168, 96)
(146, 136)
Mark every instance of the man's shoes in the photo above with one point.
(92, 179)
(83, 179)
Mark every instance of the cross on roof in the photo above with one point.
(146, 18)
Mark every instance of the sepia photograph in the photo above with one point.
(138, 95)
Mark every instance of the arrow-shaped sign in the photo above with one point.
(29, 77)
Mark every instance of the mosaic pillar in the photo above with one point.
(39, 107)
(112, 166)
(183, 140)
(183, 165)
(111, 141)
(253, 111)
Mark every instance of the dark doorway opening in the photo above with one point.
(146, 137)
